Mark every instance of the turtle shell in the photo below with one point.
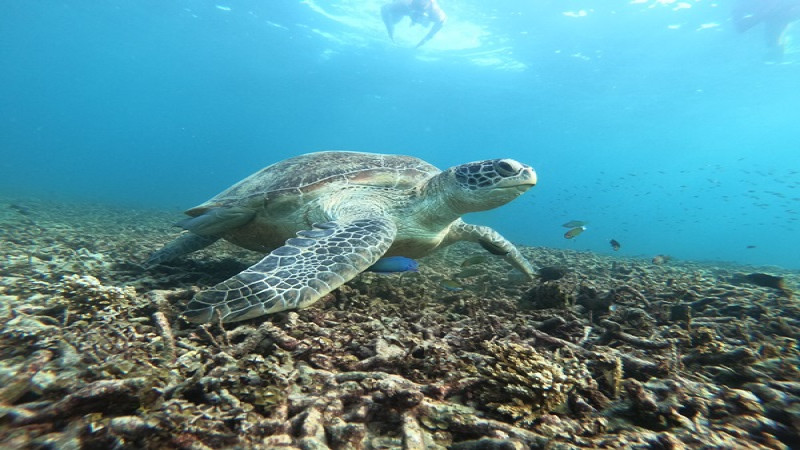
(311, 172)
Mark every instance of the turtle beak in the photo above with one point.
(522, 181)
(528, 176)
(522, 188)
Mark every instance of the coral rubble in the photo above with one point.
(613, 353)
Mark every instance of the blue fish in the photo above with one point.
(394, 264)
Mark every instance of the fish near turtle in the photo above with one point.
(324, 217)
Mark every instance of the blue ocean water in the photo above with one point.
(653, 120)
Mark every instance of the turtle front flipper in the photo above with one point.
(492, 241)
(298, 274)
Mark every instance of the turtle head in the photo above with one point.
(482, 185)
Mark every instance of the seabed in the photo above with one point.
(619, 353)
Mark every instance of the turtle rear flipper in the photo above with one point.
(297, 274)
(216, 221)
(182, 245)
(204, 230)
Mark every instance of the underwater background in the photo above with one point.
(654, 121)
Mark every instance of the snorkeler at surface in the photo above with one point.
(776, 15)
(423, 12)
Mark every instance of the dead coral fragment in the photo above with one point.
(523, 384)
(550, 295)
(765, 280)
(103, 395)
(89, 288)
(13, 388)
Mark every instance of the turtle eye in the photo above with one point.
(505, 168)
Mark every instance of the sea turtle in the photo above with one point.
(325, 217)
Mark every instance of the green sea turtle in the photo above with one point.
(325, 217)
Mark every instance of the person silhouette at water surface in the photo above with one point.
(423, 12)
(776, 15)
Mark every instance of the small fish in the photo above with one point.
(574, 224)
(552, 273)
(451, 285)
(394, 264)
(615, 245)
(574, 232)
(470, 272)
(751, 246)
(661, 259)
(473, 260)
